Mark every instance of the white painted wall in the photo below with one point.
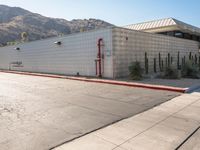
(76, 54)
(79, 51)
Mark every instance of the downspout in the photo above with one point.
(99, 59)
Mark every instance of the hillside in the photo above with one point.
(15, 20)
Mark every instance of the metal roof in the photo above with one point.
(166, 24)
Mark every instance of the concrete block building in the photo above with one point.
(106, 52)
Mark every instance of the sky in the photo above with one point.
(117, 12)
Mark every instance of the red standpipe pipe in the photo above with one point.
(99, 59)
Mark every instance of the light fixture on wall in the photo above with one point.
(58, 42)
(17, 48)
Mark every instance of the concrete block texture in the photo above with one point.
(130, 46)
(76, 54)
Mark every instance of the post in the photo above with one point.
(159, 59)
(169, 60)
(155, 70)
(146, 63)
(178, 61)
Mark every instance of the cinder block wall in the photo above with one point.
(130, 45)
(77, 53)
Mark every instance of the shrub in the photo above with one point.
(190, 70)
(136, 71)
(171, 73)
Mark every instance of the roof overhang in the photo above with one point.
(165, 25)
(172, 28)
(161, 29)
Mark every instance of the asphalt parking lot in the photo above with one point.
(41, 113)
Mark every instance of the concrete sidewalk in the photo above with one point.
(193, 143)
(164, 127)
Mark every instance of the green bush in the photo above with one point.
(136, 71)
(190, 70)
(171, 73)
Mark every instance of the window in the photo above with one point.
(178, 34)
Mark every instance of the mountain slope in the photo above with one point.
(15, 20)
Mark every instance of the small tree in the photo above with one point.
(136, 71)
(24, 36)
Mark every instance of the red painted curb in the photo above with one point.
(139, 85)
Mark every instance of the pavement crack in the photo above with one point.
(187, 138)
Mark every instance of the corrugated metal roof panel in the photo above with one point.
(152, 24)
(163, 23)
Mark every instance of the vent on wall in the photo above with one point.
(58, 42)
